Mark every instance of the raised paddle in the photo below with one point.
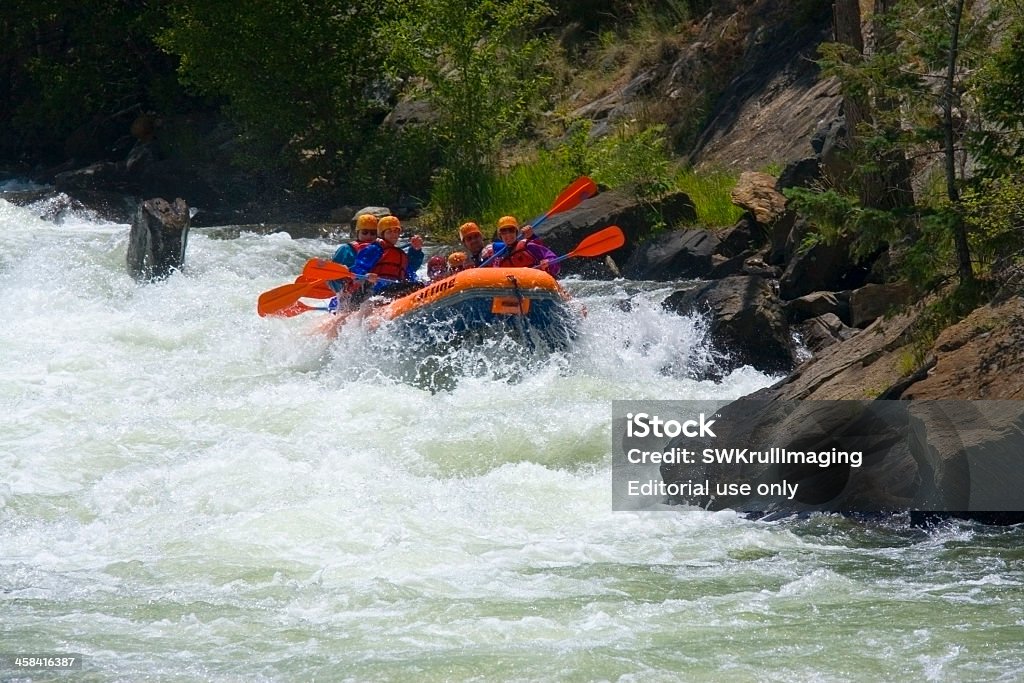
(580, 189)
(569, 198)
(598, 244)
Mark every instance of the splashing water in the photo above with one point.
(190, 492)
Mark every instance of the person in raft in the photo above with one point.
(437, 268)
(473, 240)
(457, 262)
(384, 260)
(365, 233)
(513, 252)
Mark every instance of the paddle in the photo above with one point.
(322, 269)
(598, 244)
(279, 298)
(320, 290)
(569, 198)
(297, 308)
(580, 189)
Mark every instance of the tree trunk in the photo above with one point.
(949, 96)
(892, 189)
(156, 243)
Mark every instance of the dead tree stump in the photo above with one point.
(156, 245)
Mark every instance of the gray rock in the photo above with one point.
(676, 255)
(871, 301)
(746, 322)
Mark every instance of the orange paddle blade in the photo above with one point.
(298, 308)
(319, 290)
(322, 269)
(277, 299)
(601, 242)
(570, 197)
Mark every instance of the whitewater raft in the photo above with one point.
(484, 303)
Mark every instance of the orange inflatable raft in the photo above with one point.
(524, 301)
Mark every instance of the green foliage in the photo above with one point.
(994, 211)
(635, 160)
(631, 157)
(479, 63)
(711, 193)
(525, 191)
(295, 76)
(393, 163)
(86, 65)
(998, 144)
(918, 109)
(920, 243)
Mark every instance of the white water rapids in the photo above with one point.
(190, 492)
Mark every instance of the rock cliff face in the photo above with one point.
(981, 357)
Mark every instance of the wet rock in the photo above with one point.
(747, 323)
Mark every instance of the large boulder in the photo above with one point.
(675, 255)
(822, 267)
(756, 193)
(981, 357)
(823, 331)
(564, 231)
(955, 457)
(747, 324)
(874, 300)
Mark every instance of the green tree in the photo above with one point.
(922, 91)
(476, 63)
(87, 66)
(301, 78)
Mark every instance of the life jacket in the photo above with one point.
(516, 257)
(392, 262)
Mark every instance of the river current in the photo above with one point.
(191, 492)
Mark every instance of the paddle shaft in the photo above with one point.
(570, 197)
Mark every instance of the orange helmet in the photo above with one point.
(366, 221)
(456, 259)
(467, 229)
(507, 222)
(388, 223)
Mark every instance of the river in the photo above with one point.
(191, 492)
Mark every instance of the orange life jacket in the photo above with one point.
(516, 257)
(392, 263)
